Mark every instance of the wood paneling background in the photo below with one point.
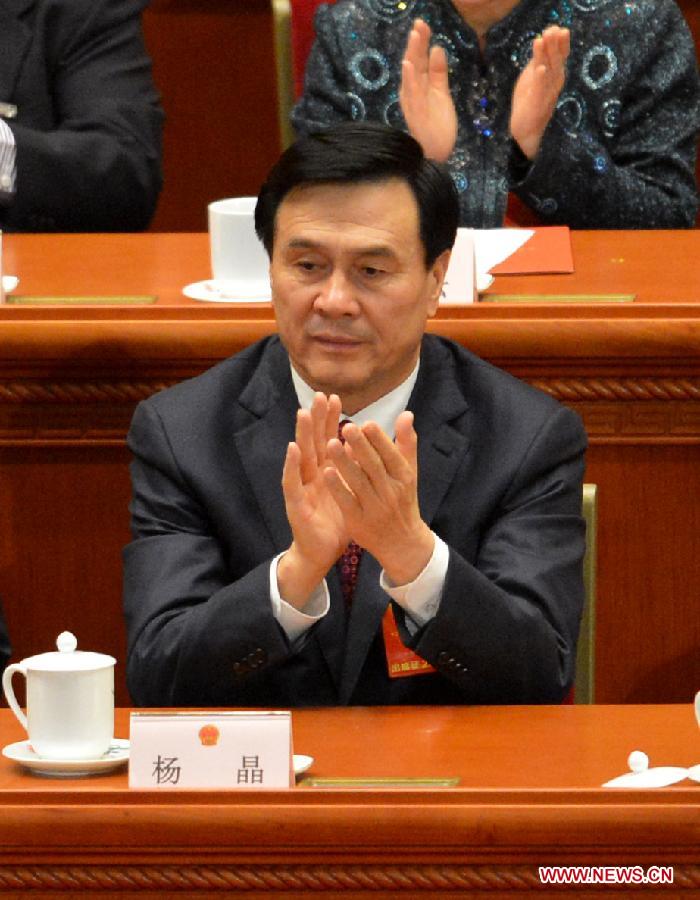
(214, 65)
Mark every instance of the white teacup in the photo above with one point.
(238, 258)
(70, 701)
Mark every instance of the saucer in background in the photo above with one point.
(22, 753)
(218, 290)
(302, 763)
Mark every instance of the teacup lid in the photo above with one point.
(68, 658)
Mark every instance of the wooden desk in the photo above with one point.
(70, 377)
(529, 795)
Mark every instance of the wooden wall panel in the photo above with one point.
(64, 521)
(691, 11)
(213, 63)
(648, 633)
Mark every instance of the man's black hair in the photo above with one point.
(356, 152)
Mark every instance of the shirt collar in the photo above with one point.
(383, 411)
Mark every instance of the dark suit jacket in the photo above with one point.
(500, 471)
(88, 128)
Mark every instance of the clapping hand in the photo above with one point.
(425, 97)
(319, 532)
(365, 489)
(374, 482)
(429, 110)
(537, 89)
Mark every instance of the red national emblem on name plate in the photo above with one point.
(209, 735)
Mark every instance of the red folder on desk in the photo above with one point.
(547, 251)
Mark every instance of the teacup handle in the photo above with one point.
(10, 694)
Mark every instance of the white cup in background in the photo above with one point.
(70, 701)
(238, 258)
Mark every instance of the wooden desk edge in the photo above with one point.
(77, 342)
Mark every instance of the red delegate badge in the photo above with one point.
(401, 660)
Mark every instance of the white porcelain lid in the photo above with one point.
(67, 658)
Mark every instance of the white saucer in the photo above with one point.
(694, 773)
(483, 281)
(656, 777)
(9, 283)
(302, 763)
(22, 753)
(228, 291)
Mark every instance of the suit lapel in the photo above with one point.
(440, 409)
(438, 404)
(15, 40)
(270, 397)
(262, 445)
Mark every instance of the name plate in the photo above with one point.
(459, 286)
(193, 750)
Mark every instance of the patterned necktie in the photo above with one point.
(349, 562)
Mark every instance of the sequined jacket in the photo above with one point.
(620, 149)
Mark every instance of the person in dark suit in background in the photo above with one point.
(80, 118)
(431, 555)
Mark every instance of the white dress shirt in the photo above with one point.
(420, 598)
(8, 154)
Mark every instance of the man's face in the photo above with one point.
(350, 288)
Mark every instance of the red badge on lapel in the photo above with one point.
(401, 661)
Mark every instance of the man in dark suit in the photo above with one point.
(80, 119)
(432, 554)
